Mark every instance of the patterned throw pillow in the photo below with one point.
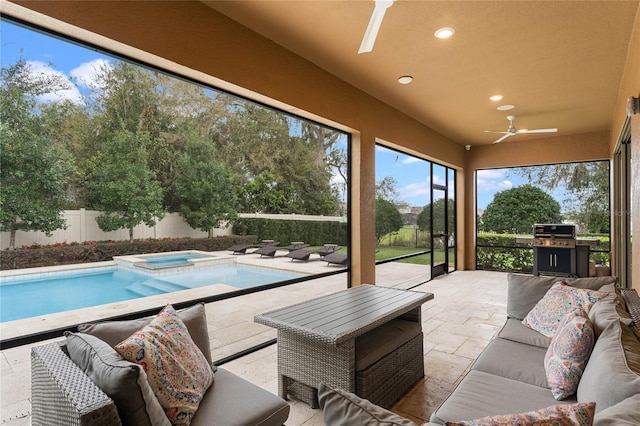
(568, 353)
(177, 371)
(580, 414)
(545, 317)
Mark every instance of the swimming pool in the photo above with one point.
(25, 297)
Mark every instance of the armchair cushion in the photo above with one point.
(123, 381)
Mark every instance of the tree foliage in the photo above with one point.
(517, 209)
(122, 186)
(424, 217)
(388, 218)
(33, 166)
(204, 187)
(587, 184)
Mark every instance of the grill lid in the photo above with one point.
(557, 230)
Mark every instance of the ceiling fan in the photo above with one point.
(374, 25)
(511, 130)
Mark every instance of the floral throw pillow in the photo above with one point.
(568, 353)
(546, 315)
(177, 371)
(579, 414)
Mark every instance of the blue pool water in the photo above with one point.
(174, 259)
(64, 291)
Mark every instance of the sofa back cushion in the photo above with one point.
(114, 332)
(613, 371)
(524, 291)
(124, 382)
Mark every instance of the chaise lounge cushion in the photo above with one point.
(613, 371)
(123, 381)
(114, 332)
(482, 394)
(524, 363)
(232, 400)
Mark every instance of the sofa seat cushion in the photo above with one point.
(512, 360)
(379, 342)
(515, 331)
(613, 371)
(233, 401)
(482, 394)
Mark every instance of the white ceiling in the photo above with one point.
(559, 62)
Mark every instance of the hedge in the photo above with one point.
(67, 253)
(315, 233)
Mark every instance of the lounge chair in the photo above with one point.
(242, 248)
(336, 258)
(304, 254)
(271, 250)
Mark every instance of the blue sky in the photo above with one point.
(78, 65)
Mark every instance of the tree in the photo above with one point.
(122, 186)
(388, 218)
(205, 187)
(33, 169)
(517, 209)
(424, 217)
(587, 184)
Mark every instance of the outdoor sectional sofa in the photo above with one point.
(509, 378)
(83, 381)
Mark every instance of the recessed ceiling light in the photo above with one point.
(496, 98)
(445, 32)
(405, 79)
(506, 107)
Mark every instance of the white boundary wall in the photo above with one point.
(82, 226)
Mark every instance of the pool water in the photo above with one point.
(176, 259)
(64, 291)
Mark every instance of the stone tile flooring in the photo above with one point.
(468, 310)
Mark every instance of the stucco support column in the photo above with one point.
(634, 113)
(363, 226)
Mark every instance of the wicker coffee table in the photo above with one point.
(317, 338)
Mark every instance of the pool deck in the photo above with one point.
(468, 310)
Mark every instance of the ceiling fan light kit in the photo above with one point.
(511, 130)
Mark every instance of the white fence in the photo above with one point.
(82, 226)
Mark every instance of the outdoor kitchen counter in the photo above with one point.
(528, 239)
(317, 338)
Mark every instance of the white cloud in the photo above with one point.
(411, 160)
(488, 185)
(85, 74)
(491, 174)
(415, 190)
(38, 68)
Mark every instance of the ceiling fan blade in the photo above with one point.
(503, 137)
(496, 131)
(374, 25)
(538, 131)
